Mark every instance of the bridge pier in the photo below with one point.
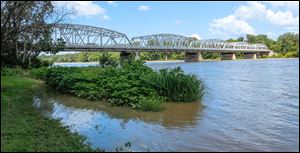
(137, 56)
(193, 57)
(250, 55)
(228, 56)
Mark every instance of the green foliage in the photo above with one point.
(39, 73)
(132, 84)
(177, 86)
(77, 57)
(106, 59)
(16, 71)
(255, 39)
(287, 43)
(26, 32)
(211, 55)
(151, 104)
(240, 55)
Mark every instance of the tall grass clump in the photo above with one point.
(131, 84)
(177, 86)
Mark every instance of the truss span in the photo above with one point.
(85, 36)
(91, 38)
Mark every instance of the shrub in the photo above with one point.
(39, 73)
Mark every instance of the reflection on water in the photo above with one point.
(251, 105)
(115, 126)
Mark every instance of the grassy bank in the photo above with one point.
(132, 84)
(25, 129)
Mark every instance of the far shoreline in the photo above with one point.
(204, 60)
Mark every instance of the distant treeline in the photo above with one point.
(287, 45)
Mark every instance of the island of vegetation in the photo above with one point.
(131, 84)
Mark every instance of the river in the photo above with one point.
(250, 105)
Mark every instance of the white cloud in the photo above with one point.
(143, 8)
(195, 36)
(253, 10)
(230, 25)
(113, 3)
(178, 21)
(82, 9)
(257, 11)
(286, 5)
(285, 19)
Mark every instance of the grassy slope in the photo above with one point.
(25, 129)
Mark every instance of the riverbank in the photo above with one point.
(23, 128)
(92, 63)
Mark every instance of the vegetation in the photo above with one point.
(95, 56)
(25, 33)
(23, 128)
(106, 59)
(133, 84)
(287, 45)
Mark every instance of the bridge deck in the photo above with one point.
(153, 49)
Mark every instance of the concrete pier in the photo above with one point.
(228, 56)
(193, 57)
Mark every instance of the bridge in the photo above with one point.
(90, 38)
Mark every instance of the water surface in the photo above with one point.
(250, 105)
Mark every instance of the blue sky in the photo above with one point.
(207, 20)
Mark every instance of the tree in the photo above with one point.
(25, 32)
(256, 39)
(288, 42)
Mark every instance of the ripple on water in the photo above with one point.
(250, 105)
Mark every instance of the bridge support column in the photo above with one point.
(137, 56)
(228, 56)
(193, 57)
(250, 55)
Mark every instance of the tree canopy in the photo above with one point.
(25, 31)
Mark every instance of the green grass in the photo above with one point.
(25, 129)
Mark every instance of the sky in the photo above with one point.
(200, 19)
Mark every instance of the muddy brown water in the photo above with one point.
(250, 105)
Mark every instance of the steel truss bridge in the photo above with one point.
(91, 38)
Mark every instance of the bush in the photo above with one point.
(39, 73)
